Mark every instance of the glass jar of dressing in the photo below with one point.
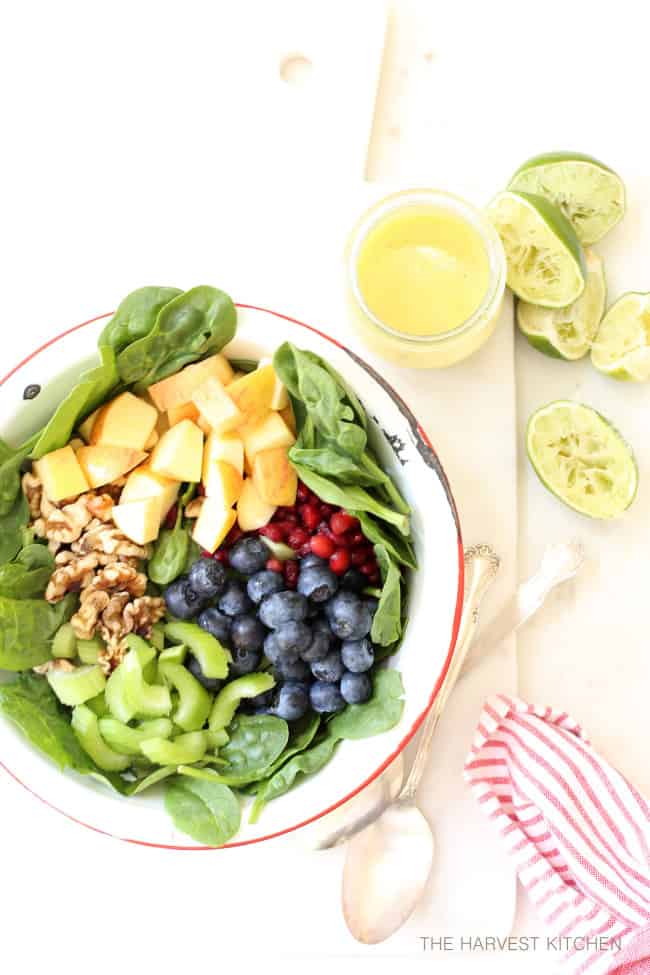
(426, 275)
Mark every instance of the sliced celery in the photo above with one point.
(64, 643)
(183, 750)
(213, 658)
(85, 725)
(228, 698)
(128, 693)
(158, 636)
(173, 655)
(88, 650)
(194, 701)
(128, 740)
(217, 739)
(77, 686)
(98, 705)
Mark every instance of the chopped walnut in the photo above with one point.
(71, 575)
(112, 626)
(100, 505)
(142, 613)
(33, 491)
(193, 509)
(92, 605)
(122, 577)
(49, 665)
(106, 538)
(65, 525)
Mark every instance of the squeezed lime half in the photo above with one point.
(589, 194)
(545, 261)
(582, 459)
(568, 333)
(621, 348)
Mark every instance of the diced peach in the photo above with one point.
(187, 411)
(271, 432)
(274, 477)
(280, 397)
(213, 524)
(61, 474)
(216, 405)
(179, 453)
(224, 482)
(138, 520)
(102, 464)
(86, 428)
(287, 415)
(127, 421)
(252, 512)
(178, 389)
(152, 441)
(224, 446)
(203, 425)
(253, 394)
(144, 483)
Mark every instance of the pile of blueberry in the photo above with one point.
(316, 637)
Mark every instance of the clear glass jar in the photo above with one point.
(447, 347)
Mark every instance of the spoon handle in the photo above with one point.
(482, 565)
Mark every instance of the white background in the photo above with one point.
(125, 135)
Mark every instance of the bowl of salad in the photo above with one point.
(231, 573)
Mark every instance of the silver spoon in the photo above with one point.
(389, 861)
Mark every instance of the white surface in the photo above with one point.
(469, 90)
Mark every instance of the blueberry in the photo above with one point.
(207, 577)
(349, 616)
(247, 633)
(234, 601)
(329, 669)
(321, 641)
(286, 669)
(244, 662)
(309, 560)
(313, 610)
(248, 555)
(293, 638)
(281, 607)
(271, 648)
(263, 584)
(182, 601)
(355, 688)
(260, 704)
(291, 701)
(215, 623)
(325, 698)
(357, 655)
(194, 667)
(372, 604)
(318, 583)
(354, 580)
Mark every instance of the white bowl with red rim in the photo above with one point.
(349, 783)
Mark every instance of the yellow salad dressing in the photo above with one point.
(423, 264)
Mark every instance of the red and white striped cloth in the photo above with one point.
(577, 830)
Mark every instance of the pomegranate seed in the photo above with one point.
(358, 557)
(322, 546)
(207, 555)
(305, 549)
(341, 541)
(233, 536)
(310, 516)
(357, 539)
(375, 578)
(340, 561)
(170, 520)
(341, 522)
(304, 494)
(291, 572)
(368, 568)
(276, 532)
(297, 538)
(222, 556)
(274, 565)
(327, 510)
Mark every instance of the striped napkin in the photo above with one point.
(578, 831)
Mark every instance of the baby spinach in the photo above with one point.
(255, 742)
(387, 621)
(27, 627)
(325, 398)
(145, 781)
(17, 581)
(11, 460)
(194, 324)
(352, 498)
(306, 763)
(32, 706)
(11, 528)
(379, 714)
(207, 811)
(135, 316)
(170, 553)
(328, 462)
(398, 547)
(36, 556)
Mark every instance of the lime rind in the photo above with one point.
(621, 348)
(545, 262)
(568, 333)
(589, 193)
(582, 459)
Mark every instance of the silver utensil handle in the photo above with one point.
(482, 565)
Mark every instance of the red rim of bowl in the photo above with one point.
(454, 636)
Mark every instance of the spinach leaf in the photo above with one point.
(92, 389)
(255, 742)
(19, 582)
(148, 779)
(324, 397)
(306, 763)
(330, 463)
(10, 463)
(11, 528)
(30, 703)
(193, 553)
(244, 365)
(351, 497)
(380, 713)
(36, 556)
(27, 627)
(398, 547)
(301, 735)
(207, 811)
(387, 621)
(170, 553)
(192, 325)
(135, 316)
